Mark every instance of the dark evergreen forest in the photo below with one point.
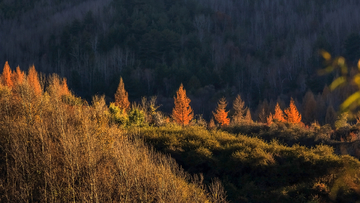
(258, 49)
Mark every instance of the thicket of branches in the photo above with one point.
(54, 147)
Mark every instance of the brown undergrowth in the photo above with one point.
(55, 147)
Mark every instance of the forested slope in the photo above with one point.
(260, 49)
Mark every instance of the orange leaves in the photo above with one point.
(293, 116)
(33, 80)
(6, 76)
(121, 96)
(64, 89)
(182, 112)
(279, 114)
(220, 114)
(18, 76)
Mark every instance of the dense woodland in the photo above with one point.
(238, 93)
(258, 49)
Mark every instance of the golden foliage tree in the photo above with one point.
(64, 87)
(293, 116)
(6, 75)
(269, 119)
(239, 109)
(122, 97)
(33, 80)
(182, 112)
(220, 114)
(279, 114)
(18, 76)
(211, 124)
(248, 118)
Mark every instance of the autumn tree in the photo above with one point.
(279, 114)
(122, 97)
(64, 89)
(248, 118)
(182, 112)
(220, 114)
(293, 116)
(211, 124)
(270, 119)
(239, 110)
(18, 76)
(33, 80)
(6, 75)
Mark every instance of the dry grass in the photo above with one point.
(51, 151)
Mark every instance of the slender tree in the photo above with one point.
(211, 124)
(6, 75)
(309, 108)
(330, 117)
(18, 76)
(33, 80)
(182, 112)
(64, 87)
(248, 118)
(269, 119)
(220, 114)
(279, 114)
(239, 110)
(122, 97)
(293, 116)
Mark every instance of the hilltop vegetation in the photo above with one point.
(54, 146)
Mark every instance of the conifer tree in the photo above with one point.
(6, 75)
(64, 87)
(33, 80)
(211, 124)
(239, 110)
(248, 118)
(269, 119)
(309, 108)
(182, 112)
(263, 112)
(293, 116)
(279, 114)
(121, 97)
(330, 117)
(18, 76)
(220, 114)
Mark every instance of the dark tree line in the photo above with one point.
(258, 49)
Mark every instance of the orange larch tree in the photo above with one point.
(33, 80)
(6, 75)
(182, 112)
(220, 114)
(270, 119)
(64, 87)
(293, 116)
(122, 97)
(18, 76)
(279, 114)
